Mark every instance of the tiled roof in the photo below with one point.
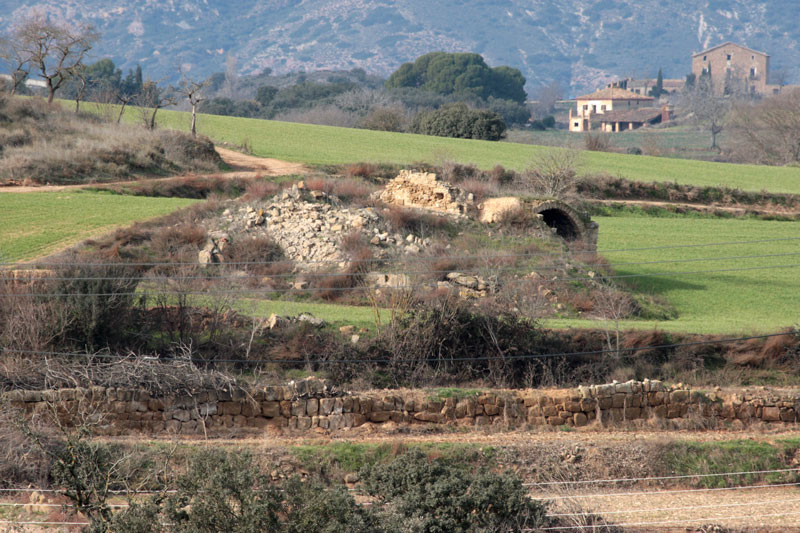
(645, 114)
(728, 43)
(614, 93)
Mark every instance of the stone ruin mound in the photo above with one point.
(424, 190)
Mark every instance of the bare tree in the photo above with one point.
(547, 97)
(18, 61)
(767, 132)
(78, 74)
(231, 84)
(612, 306)
(56, 49)
(151, 99)
(708, 109)
(553, 173)
(194, 91)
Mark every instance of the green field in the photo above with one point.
(711, 302)
(677, 141)
(38, 223)
(329, 145)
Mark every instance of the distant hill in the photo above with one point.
(581, 43)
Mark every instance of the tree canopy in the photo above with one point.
(447, 73)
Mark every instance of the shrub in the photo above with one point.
(261, 190)
(414, 221)
(457, 120)
(223, 492)
(257, 255)
(634, 150)
(501, 176)
(597, 142)
(360, 170)
(384, 119)
(98, 300)
(552, 174)
(432, 495)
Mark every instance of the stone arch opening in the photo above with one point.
(565, 226)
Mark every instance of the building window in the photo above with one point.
(753, 72)
(602, 107)
(594, 108)
(705, 58)
(729, 57)
(586, 107)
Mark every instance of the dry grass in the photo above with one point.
(46, 144)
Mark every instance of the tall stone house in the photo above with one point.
(592, 107)
(734, 68)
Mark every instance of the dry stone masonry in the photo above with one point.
(313, 404)
(424, 190)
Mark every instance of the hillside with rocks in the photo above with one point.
(580, 44)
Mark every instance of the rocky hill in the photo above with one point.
(580, 44)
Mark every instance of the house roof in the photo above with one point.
(645, 114)
(729, 43)
(614, 93)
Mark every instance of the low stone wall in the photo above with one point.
(309, 404)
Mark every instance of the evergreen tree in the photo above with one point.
(658, 90)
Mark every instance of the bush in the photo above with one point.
(258, 255)
(223, 492)
(457, 120)
(597, 142)
(384, 119)
(552, 174)
(437, 496)
(634, 150)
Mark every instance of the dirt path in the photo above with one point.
(245, 166)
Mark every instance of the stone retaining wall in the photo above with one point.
(309, 404)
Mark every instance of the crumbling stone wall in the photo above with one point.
(310, 404)
(424, 190)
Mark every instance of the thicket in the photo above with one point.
(458, 120)
(47, 144)
(446, 73)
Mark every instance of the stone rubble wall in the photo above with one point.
(310, 404)
(424, 190)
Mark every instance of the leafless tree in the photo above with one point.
(231, 84)
(194, 91)
(151, 99)
(18, 61)
(767, 132)
(547, 97)
(553, 173)
(78, 74)
(709, 110)
(55, 48)
(612, 306)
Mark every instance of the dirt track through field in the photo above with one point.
(243, 165)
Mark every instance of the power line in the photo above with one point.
(377, 361)
(419, 258)
(658, 522)
(660, 478)
(652, 493)
(554, 268)
(666, 509)
(398, 287)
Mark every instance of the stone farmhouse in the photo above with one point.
(734, 67)
(591, 109)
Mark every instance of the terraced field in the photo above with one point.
(34, 224)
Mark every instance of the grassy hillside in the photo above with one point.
(328, 145)
(712, 302)
(35, 224)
